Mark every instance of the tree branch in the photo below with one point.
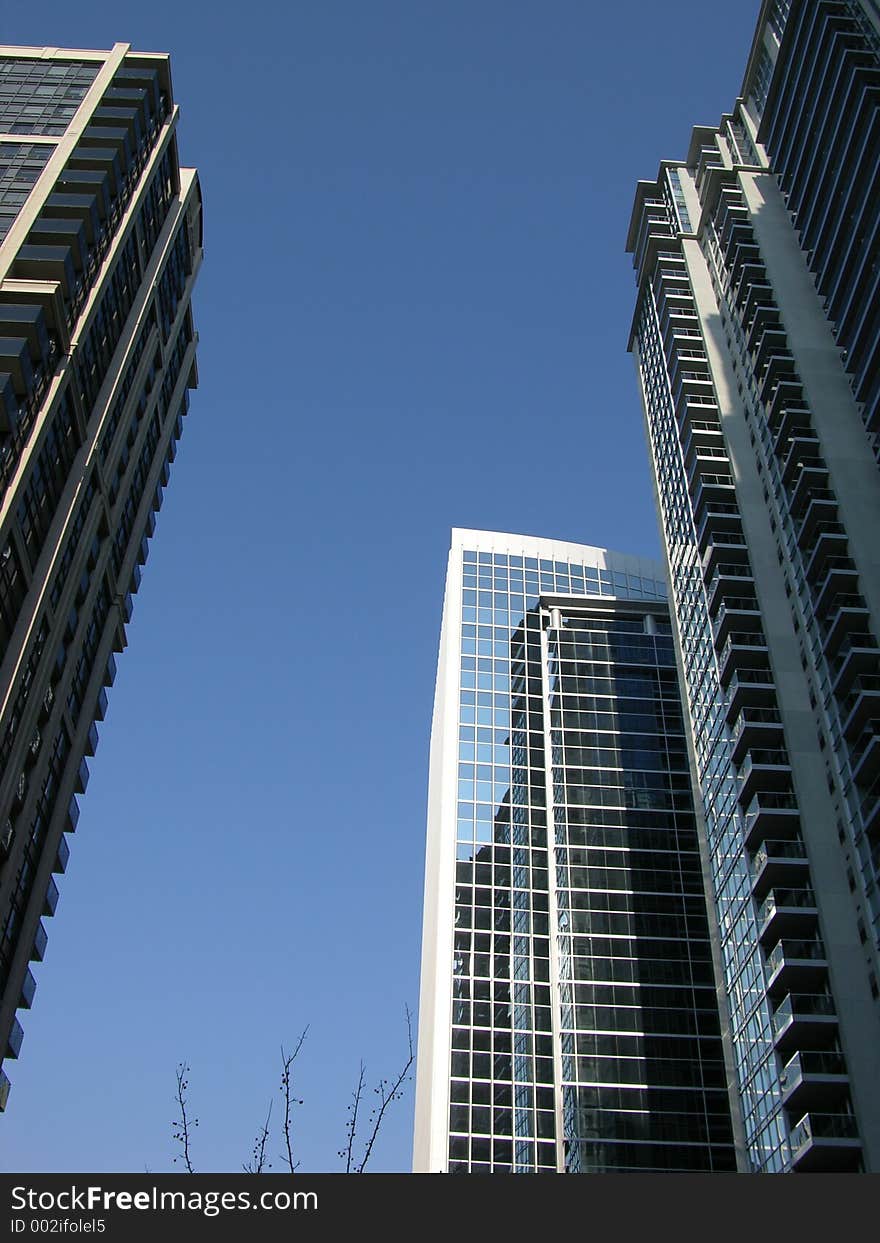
(181, 1126)
(259, 1162)
(287, 1061)
(351, 1125)
(387, 1095)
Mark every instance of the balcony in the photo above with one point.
(752, 274)
(772, 348)
(861, 704)
(820, 514)
(62, 856)
(13, 1044)
(10, 411)
(81, 207)
(787, 405)
(49, 263)
(756, 727)
(15, 361)
(750, 688)
(39, 946)
(729, 580)
(693, 385)
(765, 314)
(653, 228)
(810, 485)
(772, 814)
(787, 913)
(763, 770)
(82, 777)
(778, 369)
(712, 488)
(700, 432)
(28, 321)
(847, 615)
(866, 754)
(779, 864)
(840, 575)
(813, 1078)
(728, 547)
(48, 231)
(99, 159)
(829, 541)
(795, 423)
(718, 518)
(759, 296)
(798, 967)
(736, 614)
(857, 656)
(700, 458)
(742, 650)
(50, 902)
(870, 813)
(804, 1020)
(824, 1142)
(743, 253)
(688, 363)
(803, 450)
(28, 989)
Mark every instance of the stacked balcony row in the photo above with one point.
(812, 1069)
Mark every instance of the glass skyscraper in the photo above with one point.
(100, 243)
(569, 1015)
(756, 337)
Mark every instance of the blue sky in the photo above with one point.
(413, 315)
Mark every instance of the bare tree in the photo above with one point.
(258, 1163)
(351, 1124)
(287, 1060)
(386, 1091)
(181, 1125)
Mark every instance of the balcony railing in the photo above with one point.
(811, 1062)
(794, 951)
(866, 753)
(747, 688)
(801, 898)
(823, 1126)
(760, 757)
(742, 649)
(771, 811)
(824, 1142)
(791, 849)
(861, 702)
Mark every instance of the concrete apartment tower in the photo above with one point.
(568, 1017)
(757, 341)
(100, 243)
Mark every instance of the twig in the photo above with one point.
(180, 1126)
(259, 1162)
(351, 1125)
(287, 1061)
(387, 1095)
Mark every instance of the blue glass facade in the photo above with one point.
(582, 1027)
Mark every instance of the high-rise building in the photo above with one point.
(568, 1016)
(757, 342)
(100, 243)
